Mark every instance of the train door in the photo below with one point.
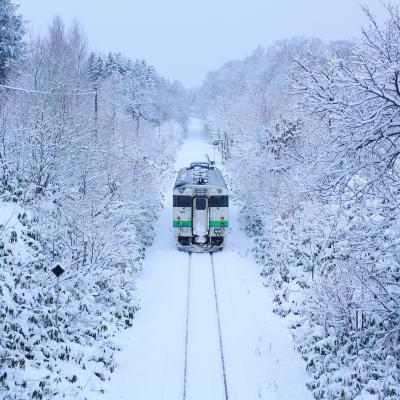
(201, 219)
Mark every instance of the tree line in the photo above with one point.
(86, 139)
(314, 131)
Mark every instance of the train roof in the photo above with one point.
(200, 173)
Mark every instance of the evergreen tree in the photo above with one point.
(11, 37)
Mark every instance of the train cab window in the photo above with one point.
(219, 201)
(201, 203)
(182, 201)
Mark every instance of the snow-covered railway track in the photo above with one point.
(204, 374)
(187, 328)
(221, 347)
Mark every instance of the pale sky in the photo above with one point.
(184, 39)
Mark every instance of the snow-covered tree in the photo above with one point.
(11, 37)
(85, 189)
(314, 128)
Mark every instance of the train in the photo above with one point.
(200, 208)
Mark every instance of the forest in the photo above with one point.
(315, 127)
(85, 142)
(310, 136)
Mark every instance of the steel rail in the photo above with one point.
(187, 329)
(221, 348)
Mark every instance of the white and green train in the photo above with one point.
(201, 206)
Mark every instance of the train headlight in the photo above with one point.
(218, 232)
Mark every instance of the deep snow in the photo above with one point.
(260, 359)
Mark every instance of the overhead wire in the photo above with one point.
(29, 91)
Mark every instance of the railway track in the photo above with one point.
(190, 318)
(187, 328)
(221, 347)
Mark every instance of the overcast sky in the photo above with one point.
(184, 39)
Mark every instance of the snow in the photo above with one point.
(201, 231)
(8, 214)
(260, 358)
(204, 377)
(9, 223)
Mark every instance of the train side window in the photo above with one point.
(219, 201)
(201, 203)
(182, 201)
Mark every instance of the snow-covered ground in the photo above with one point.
(259, 354)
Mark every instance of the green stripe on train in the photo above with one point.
(182, 224)
(219, 224)
(188, 224)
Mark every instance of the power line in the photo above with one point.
(28, 91)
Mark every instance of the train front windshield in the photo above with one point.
(182, 201)
(201, 204)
